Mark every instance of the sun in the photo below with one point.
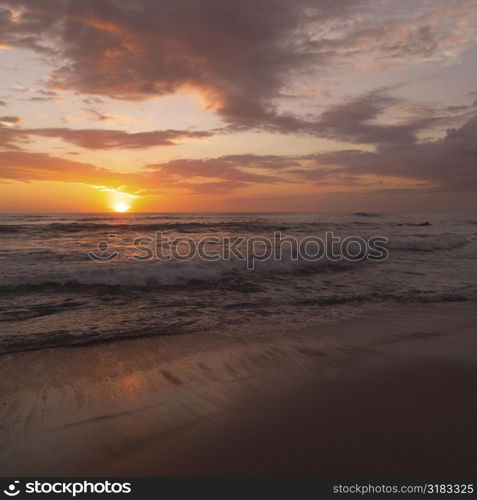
(121, 207)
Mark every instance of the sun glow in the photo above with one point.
(121, 207)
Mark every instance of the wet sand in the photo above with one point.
(392, 395)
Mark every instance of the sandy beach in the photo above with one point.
(392, 395)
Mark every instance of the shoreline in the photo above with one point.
(388, 395)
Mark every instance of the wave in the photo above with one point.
(184, 227)
(172, 273)
(83, 336)
(10, 228)
(82, 226)
(77, 227)
(414, 224)
(461, 294)
(38, 310)
(458, 295)
(428, 243)
(167, 217)
(367, 214)
(23, 257)
(96, 218)
(63, 338)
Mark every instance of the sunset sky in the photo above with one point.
(250, 105)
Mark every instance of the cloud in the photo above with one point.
(368, 119)
(42, 95)
(358, 120)
(118, 139)
(447, 164)
(415, 34)
(9, 138)
(99, 138)
(97, 114)
(355, 121)
(227, 168)
(10, 120)
(212, 176)
(211, 188)
(351, 121)
(239, 56)
(242, 58)
(27, 167)
(234, 53)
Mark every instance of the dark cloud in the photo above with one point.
(363, 120)
(448, 164)
(236, 54)
(239, 55)
(355, 121)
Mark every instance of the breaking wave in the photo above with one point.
(135, 274)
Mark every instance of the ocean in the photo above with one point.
(60, 285)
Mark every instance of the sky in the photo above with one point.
(250, 105)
